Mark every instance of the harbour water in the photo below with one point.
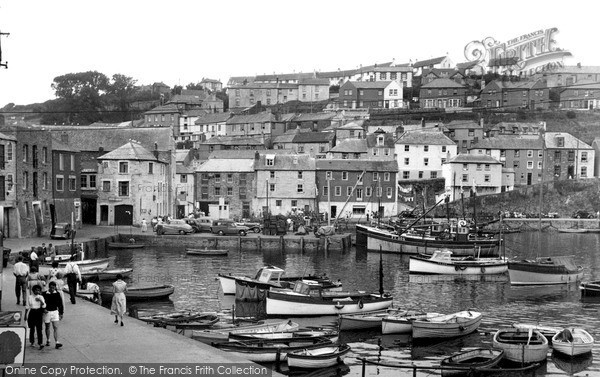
(501, 304)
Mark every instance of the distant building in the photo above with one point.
(443, 93)
(464, 133)
(422, 153)
(8, 189)
(584, 95)
(475, 174)
(371, 94)
(567, 157)
(211, 84)
(526, 94)
(163, 116)
(570, 75)
(442, 62)
(66, 178)
(315, 144)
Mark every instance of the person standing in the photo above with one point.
(144, 225)
(34, 313)
(53, 313)
(51, 252)
(58, 280)
(73, 277)
(35, 279)
(34, 259)
(21, 271)
(119, 301)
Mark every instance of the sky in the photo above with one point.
(183, 41)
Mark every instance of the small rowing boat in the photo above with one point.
(155, 292)
(401, 323)
(220, 335)
(214, 252)
(96, 274)
(125, 245)
(470, 361)
(266, 351)
(520, 346)
(363, 321)
(573, 342)
(318, 357)
(446, 326)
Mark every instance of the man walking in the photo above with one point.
(73, 277)
(53, 313)
(21, 271)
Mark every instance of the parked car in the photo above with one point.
(201, 224)
(174, 227)
(553, 215)
(581, 214)
(61, 230)
(255, 227)
(222, 227)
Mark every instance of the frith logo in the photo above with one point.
(529, 53)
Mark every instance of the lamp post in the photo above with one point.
(267, 189)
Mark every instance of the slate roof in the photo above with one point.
(227, 165)
(351, 72)
(313, 81)
(352, 126)
(183, 169)
(461, 124)
(213, 118)
(357, 165)
(570, 141)
(432, 137)
(164, 109)
(313, 117)
(207, 80)
(286, 162)
(233, 154)
(466, 65)
(187, 99)
(427, 62)
(7, 137)
(438, 71)
(58, 145)
(509, 142)
(442, 83)
(521, 126)
(576, 69)
(464, 158)
(583, 84)
(289, 135)
(131, 151)
(351, 146)
(396, 68)
(195, 113)
(287, 117)
(313, 137)
(181, 155)
(239, 80)
(370, 84)
(264, 85)
(285, 76)
(254, 118)
(232, 140)
(388, 139)
(112, 138)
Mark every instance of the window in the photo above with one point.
(72, 162)
(217, 191)
(540, 153)
(517, 153)
(278, 203)
(72, 183)
(123, 167)
(9, 152)
(338, 191)
(479, 167)
(557, 155)
(386, 176)
(60, 183)
(583, 156)
(229, 178)
(123, 188)
(405, 175)
(486, 178)
(487, 167)
(229, 191)
(270, 161)
(443, 148)
(383, 76)
(406, 161)
(465, 166)
(344, 176)
(329, 175)
(426, 148)
(529, 164)
(150, 168)
(584, 171)
(529, 153)
(242, 193)
(84, 181)
(375, 151)
(433, 174)
(183, 178)
(25, 152)
(420, 174)
(325, 191)
(388, 192)
(272, 187)
(348, 191)
(271, 174)
(406, 148)
(516, 164)
(465, 178)
(300, 188)
(539, 165)
(61, 161)
(375, 176)
(300, 175)
(386, 151)
(368, 191)
(106, 186)
(471, 132)
(426, 161)
(571, 156)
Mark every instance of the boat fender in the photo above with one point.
(339, 306)
(360, 304)
(457, 267)
(386, 295)
(339, 360)
(483, 270)
(132, 240)
(461, 328)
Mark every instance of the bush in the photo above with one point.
(571, 114)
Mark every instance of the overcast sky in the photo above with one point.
(182, 41)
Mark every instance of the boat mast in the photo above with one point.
(541, 192)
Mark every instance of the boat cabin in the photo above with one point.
(443, 255)
(269, 274)
(308, 288)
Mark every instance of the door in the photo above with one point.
(180, 212)
(571, 172)
(88, 211)
(529, 175)
(333, 212)
(37, 213)
(104, 215)
(124, 214)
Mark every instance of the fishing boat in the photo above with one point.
(221, 335)
(318, 357)
(96, 274)
(329, 333)
(446, 326)
(547, 331)
(214, 252)
(573, 341)
(544, 271)
(573, 230)
(470, 361)
(302, 301)
(401, 323)
(125, 245)
(590, 288)
(182, 319)
(520, 346)
(58, 258)
(441, 262)
(155, 292)
(266, 351)
(457, 237)
(363, 321)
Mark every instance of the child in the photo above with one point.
(53, 313)
(34, 315)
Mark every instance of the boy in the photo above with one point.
(34, 315)
(53, 313)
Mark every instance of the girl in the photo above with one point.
(119, 302)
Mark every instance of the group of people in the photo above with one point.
(43, 298)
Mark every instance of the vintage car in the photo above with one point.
(200, 224)
(61, 230)
(222, 227)
(174, 227)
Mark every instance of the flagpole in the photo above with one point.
(473, 195)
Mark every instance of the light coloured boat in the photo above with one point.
(266, 351)
(520, 346)
(401, 323)
(446, 326)
(363, 321)
(142, 293)
(208, 252)
(221, 335)
(94, 274)
(329, 333)
(302, 302)
(573, 341)
(544, 271)
(318, 357)
(89, 264)
(441, 262)
(125, 245)
(470, 361)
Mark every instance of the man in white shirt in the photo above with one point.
(34, 260)
(21, 271)
(73, 277)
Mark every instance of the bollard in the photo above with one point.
(301, 245)
(258, 242)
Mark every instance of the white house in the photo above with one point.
(470, 173)
(422, 153)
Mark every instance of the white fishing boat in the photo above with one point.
(363, 321)
(220, 335)
(442, 262)
(520, 346)
(302, 302)
(318, 357)
(446, 326)
(573, 342)
(401, 323)
(544, 271)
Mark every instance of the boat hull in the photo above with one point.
(590, 289)
(420, 265)
(125, 245)
(402, 324)
(519, 347)
(222, 335)
(101, 274)
(446, 326)
(290, 305)
(362, 321)
(207, 252)
(323, 357)
(84, 266)
(522, 273)
(380, 239)
(581, 343)
(470, 361)
(263, 351)
(141, 294)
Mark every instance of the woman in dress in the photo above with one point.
(119, 302)
(35, 278)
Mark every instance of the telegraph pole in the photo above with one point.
(3, 64)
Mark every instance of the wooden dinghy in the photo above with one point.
(266, 351)
(521, 346)
(573, 341)
(329, 333)
(363, 321)
(441, 262)
(97, 274)
(446, 326)
(125, 245)
(318, 357)
(155, 292)
(470, 361)
(213, 252)
(221, 335)
(590, 288)
(88, 264)
(401, 323)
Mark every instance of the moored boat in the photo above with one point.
(301, 302)
(442, 262)
(521, 346)
(363, 321)
(155, 292)
(547, 331)
(329, 333)
(96, 274)
(318, 357)
(470, 361)
(89, 264)
(401, 323)
(220, 335)
(573, 341)
(266, 351)
(446, 326)
(590, 288)
(214, 252)
(544, 271)
(125, 245)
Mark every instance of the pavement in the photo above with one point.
(89, 335)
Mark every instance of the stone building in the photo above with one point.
(8, 192)
(66, 179)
